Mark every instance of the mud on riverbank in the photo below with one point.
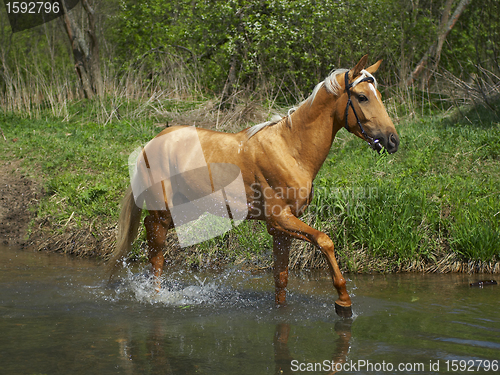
(18, 195)
(19, 226)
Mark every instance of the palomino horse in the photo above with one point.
(273, 158)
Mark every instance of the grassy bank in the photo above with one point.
(434, 205)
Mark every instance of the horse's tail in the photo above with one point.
(128, 225)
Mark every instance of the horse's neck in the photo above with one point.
(312, 131)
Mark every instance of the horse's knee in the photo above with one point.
(155, 229)
(325, 243)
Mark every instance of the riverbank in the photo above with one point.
(18, 197)
(434, 206)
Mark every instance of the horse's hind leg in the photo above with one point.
(157, 224)
(281, 248)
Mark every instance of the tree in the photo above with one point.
(434, 51)
(85, 50)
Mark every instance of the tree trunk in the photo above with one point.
(85, 54)
(5, 73)
(434, 51)
(95, 69)
(229, 85)
(228, 99)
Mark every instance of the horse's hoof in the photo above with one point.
(343, 311)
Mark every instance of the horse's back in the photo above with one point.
(217, 147)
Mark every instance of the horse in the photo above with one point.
(277, 161)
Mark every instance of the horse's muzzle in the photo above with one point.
(390, 143)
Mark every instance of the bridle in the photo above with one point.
(374, 143)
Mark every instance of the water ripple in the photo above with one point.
(483, 344)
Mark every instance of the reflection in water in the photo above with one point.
(61, 314)
(148, 356)
(283, 359)
(151, 354)
(343, 329)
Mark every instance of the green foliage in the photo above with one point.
(253, 238)
(475, 230)
(276, 50)
(474, 41)
(286, 45)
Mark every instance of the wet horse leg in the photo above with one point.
(287, 222)
(281, 248)
(157, 224)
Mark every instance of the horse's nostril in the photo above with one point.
(393, 143)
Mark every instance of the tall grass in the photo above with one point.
(138, 91)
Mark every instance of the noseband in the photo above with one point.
(348, 86)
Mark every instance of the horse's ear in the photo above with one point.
(354, 72)
(372, 69)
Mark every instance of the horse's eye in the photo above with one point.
(362, 98)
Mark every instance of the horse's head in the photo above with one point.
(365, 114)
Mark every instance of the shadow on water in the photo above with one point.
(60, 313)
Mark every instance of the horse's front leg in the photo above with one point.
(281, 248)
(288, 223)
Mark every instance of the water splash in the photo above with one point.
(228, 290)
(177, 289)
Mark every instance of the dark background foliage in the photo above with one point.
(267, 48)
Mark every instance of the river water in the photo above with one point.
(58, 315)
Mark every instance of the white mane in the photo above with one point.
(331, 85)
(256, 128)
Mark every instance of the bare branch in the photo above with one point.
(434, 50)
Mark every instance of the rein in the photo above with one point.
(348, 87)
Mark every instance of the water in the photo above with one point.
(59, 316)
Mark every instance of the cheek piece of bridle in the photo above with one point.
(348, 86)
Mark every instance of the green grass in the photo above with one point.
(81, 166)
(439, 193)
